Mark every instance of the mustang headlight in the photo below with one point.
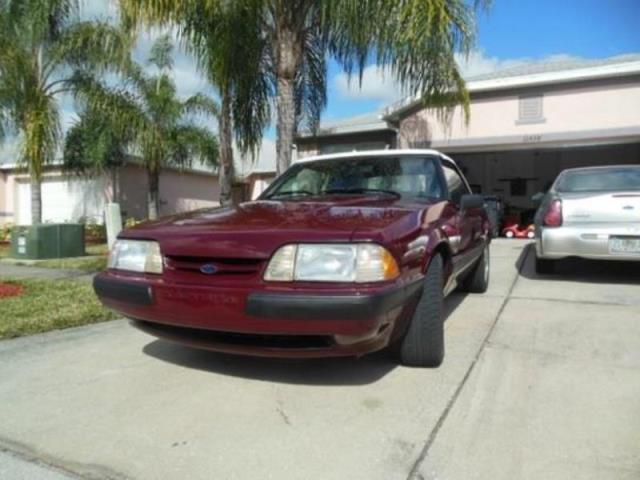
(136, 256)
(332, 262)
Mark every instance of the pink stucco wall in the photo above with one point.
(179, 191)
(183, 191)
(570, 109)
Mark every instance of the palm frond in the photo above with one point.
(311, 86)
(201, 104)
(96, 46)
(415, 39)
(41, 135)
(191, 142)
(161, 55)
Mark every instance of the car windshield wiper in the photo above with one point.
(291, 193)
(355, 191)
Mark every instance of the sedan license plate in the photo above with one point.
(624, 245)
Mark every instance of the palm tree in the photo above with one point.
(43, 50)
(94, 146)
(149, 117)
(226, 40)
(415, 39)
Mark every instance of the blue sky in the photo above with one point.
(512, 32)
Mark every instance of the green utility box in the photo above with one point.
(47, 240)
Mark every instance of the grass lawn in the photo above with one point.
(50, 305)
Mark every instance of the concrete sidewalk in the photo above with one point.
(533, 386)
(8, 270)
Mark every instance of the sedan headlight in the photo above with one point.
(136, 256)
(332, 262)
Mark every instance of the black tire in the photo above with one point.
(423, 343)
(477, 280)
(544, 266)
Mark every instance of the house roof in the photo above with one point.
(554, 71)
(367, 122)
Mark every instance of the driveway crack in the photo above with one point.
(414, 473)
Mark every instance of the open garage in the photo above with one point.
(516, 175)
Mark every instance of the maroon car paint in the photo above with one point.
(245, 236)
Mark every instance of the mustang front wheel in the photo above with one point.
(423, 344)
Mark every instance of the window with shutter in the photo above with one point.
(530, 109)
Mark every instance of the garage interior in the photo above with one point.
(515, 176)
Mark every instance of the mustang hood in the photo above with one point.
(256, 229)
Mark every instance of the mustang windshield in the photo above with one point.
(622, 179)
(410, 177)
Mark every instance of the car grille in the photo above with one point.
(221, 266)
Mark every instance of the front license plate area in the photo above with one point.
(624, 245)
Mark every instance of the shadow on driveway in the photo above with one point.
(581, 270)
(323, 371)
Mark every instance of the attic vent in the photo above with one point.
(530, 109)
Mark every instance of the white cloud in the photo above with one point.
(264, 161)
(378, 83)
(98, 9)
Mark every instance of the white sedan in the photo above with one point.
(591, 213)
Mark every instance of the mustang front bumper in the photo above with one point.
(260, 322)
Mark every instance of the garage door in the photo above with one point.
(63, 200)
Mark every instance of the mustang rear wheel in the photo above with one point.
(477, 281)
(423, 344)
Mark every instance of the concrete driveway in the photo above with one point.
(541, 381)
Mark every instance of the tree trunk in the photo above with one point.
(153, 198)
(225, 171)
(288, 55)
(36, 200)
(285, 129)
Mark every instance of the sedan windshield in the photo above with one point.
(412, 177)
(623, 179)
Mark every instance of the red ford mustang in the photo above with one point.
(342, 255)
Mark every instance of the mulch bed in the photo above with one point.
(10, 290)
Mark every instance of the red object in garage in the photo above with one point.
(519, 231)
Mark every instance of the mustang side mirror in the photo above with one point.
(471, 201)
(537, 198)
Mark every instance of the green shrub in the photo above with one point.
(94, 231)
(5, 232)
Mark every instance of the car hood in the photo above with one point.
(256, 229)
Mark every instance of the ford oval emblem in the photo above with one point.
(208, 269)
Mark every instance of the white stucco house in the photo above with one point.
(526, 125)
(67, 198)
